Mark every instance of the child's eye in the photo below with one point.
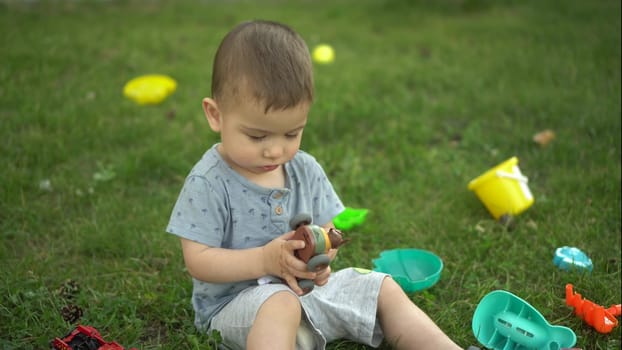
(256, 138)
(291, 136)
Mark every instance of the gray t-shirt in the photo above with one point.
(220, 208)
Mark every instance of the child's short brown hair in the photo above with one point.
(264, 60)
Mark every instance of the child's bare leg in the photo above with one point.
(404, 325)
(276, 323)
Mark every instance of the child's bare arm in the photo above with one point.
(219, 265)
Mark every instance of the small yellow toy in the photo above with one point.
(323, 54)
(503, 189)
(149, 89)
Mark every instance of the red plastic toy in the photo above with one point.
(603, 320)
(85, 338)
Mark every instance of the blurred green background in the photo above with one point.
(423, 96)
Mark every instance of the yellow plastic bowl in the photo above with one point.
(149, 89)
(503, 189)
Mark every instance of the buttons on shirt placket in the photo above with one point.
(277, 202)
(276, 196)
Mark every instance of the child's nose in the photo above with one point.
(273, 151)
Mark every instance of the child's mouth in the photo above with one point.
(269, 167)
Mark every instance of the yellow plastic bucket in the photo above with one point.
(503, 189)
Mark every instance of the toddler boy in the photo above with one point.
(233, 214)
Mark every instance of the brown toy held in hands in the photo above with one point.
(317, 244)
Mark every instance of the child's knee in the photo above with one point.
(285, 303)
(276, 323)
(391, 295)
(286, 299)
(390, 288)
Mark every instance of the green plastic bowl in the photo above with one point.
(414, 269)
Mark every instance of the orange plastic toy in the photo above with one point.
(603, 320)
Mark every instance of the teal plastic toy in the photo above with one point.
(349, 218)
(503, 321)
(413, 269)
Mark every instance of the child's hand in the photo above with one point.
(279, 260)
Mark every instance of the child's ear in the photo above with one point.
(212, 113)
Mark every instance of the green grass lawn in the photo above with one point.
(423, 96)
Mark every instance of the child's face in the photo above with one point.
(254, 143)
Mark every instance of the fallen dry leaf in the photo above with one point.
(544, 137)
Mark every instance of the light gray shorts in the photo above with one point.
(344, 308)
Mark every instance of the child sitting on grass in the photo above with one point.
(233, 214)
